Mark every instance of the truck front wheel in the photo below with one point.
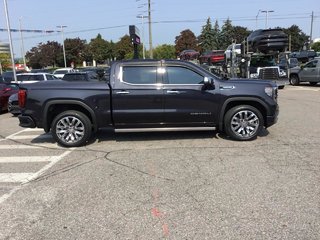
(71, 128)
(294, 80)
(243, 122)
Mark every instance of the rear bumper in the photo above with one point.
(272, 119)
(26, 121)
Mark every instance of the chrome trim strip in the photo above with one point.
(174, 129)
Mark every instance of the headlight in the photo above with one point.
(269, 91)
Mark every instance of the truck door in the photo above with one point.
(186, 102)
(137, 97)
(310, 72)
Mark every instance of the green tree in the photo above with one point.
(316, 46)
(99, 48)
(226, 36)
(207, 38)
(298, 38)
(5, 61)
(74, 50)
(164, 51)
(44, 55)
(186, 40)
(124, 48)
(240, 34)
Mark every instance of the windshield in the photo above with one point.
(262, 62)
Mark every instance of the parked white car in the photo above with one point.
(34, 77)
(228, 52)
(60, 72)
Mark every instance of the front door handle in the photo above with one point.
(122, 92)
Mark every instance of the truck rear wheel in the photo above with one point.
(243, 122)
(71, 128)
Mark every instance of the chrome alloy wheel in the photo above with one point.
(245, 123)
(70, 129)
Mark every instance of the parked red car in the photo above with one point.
(212, 57)
(6, 90)
(189, 55)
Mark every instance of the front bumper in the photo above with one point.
(273, 119)
(26, 121)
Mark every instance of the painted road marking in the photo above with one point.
(27, 159)
(21, 137)
(14, 177)
(23, 178)
(303, 89)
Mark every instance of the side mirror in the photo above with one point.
(208, 81)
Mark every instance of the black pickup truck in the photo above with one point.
(149, 95)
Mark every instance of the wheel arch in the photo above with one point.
(230, 103)
(55, 107)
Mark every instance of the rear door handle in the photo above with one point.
(173, 91)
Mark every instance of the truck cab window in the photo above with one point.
(140, 74)
(181, 75)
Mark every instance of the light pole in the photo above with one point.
(257, 18)
(22, 44)
(150, 32)
(10, 41)
(143, 50)
(267, 14)
(63, 48)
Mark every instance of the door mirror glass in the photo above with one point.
(207, 81)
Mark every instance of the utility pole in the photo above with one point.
(22, 44)
(10, 41)
(311, 30)
(63, 48)
(257, 18)
(150, 33)
(267, 15)
(143, 40)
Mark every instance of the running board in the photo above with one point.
(176, 129)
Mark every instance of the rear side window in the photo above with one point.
(140, 74)
(39, 77)
(23, 77)
(50, 77)
(181, 75)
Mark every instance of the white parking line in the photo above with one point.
(10, 147)
(28, 159)
(303, 89)
(23, 178)
(14, 177)
(21, 137)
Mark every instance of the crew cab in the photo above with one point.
(146, 96)
(310, 72)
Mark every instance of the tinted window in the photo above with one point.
(39, 77)
(140, 75)
(50, 77)
(312, 64)
(180, 75)
(22, 77)
(61, 72)
(74, 77)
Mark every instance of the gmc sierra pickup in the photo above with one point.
(149, 95)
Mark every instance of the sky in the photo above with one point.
(86, 19)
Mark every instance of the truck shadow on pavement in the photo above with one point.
(108, 135)
(105, 135)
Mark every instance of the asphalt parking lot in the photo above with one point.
(186, 185)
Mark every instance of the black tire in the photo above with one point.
(313, 83)
(243, 122)
(294, 80)
(71, 128)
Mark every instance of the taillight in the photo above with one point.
(22, 97)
